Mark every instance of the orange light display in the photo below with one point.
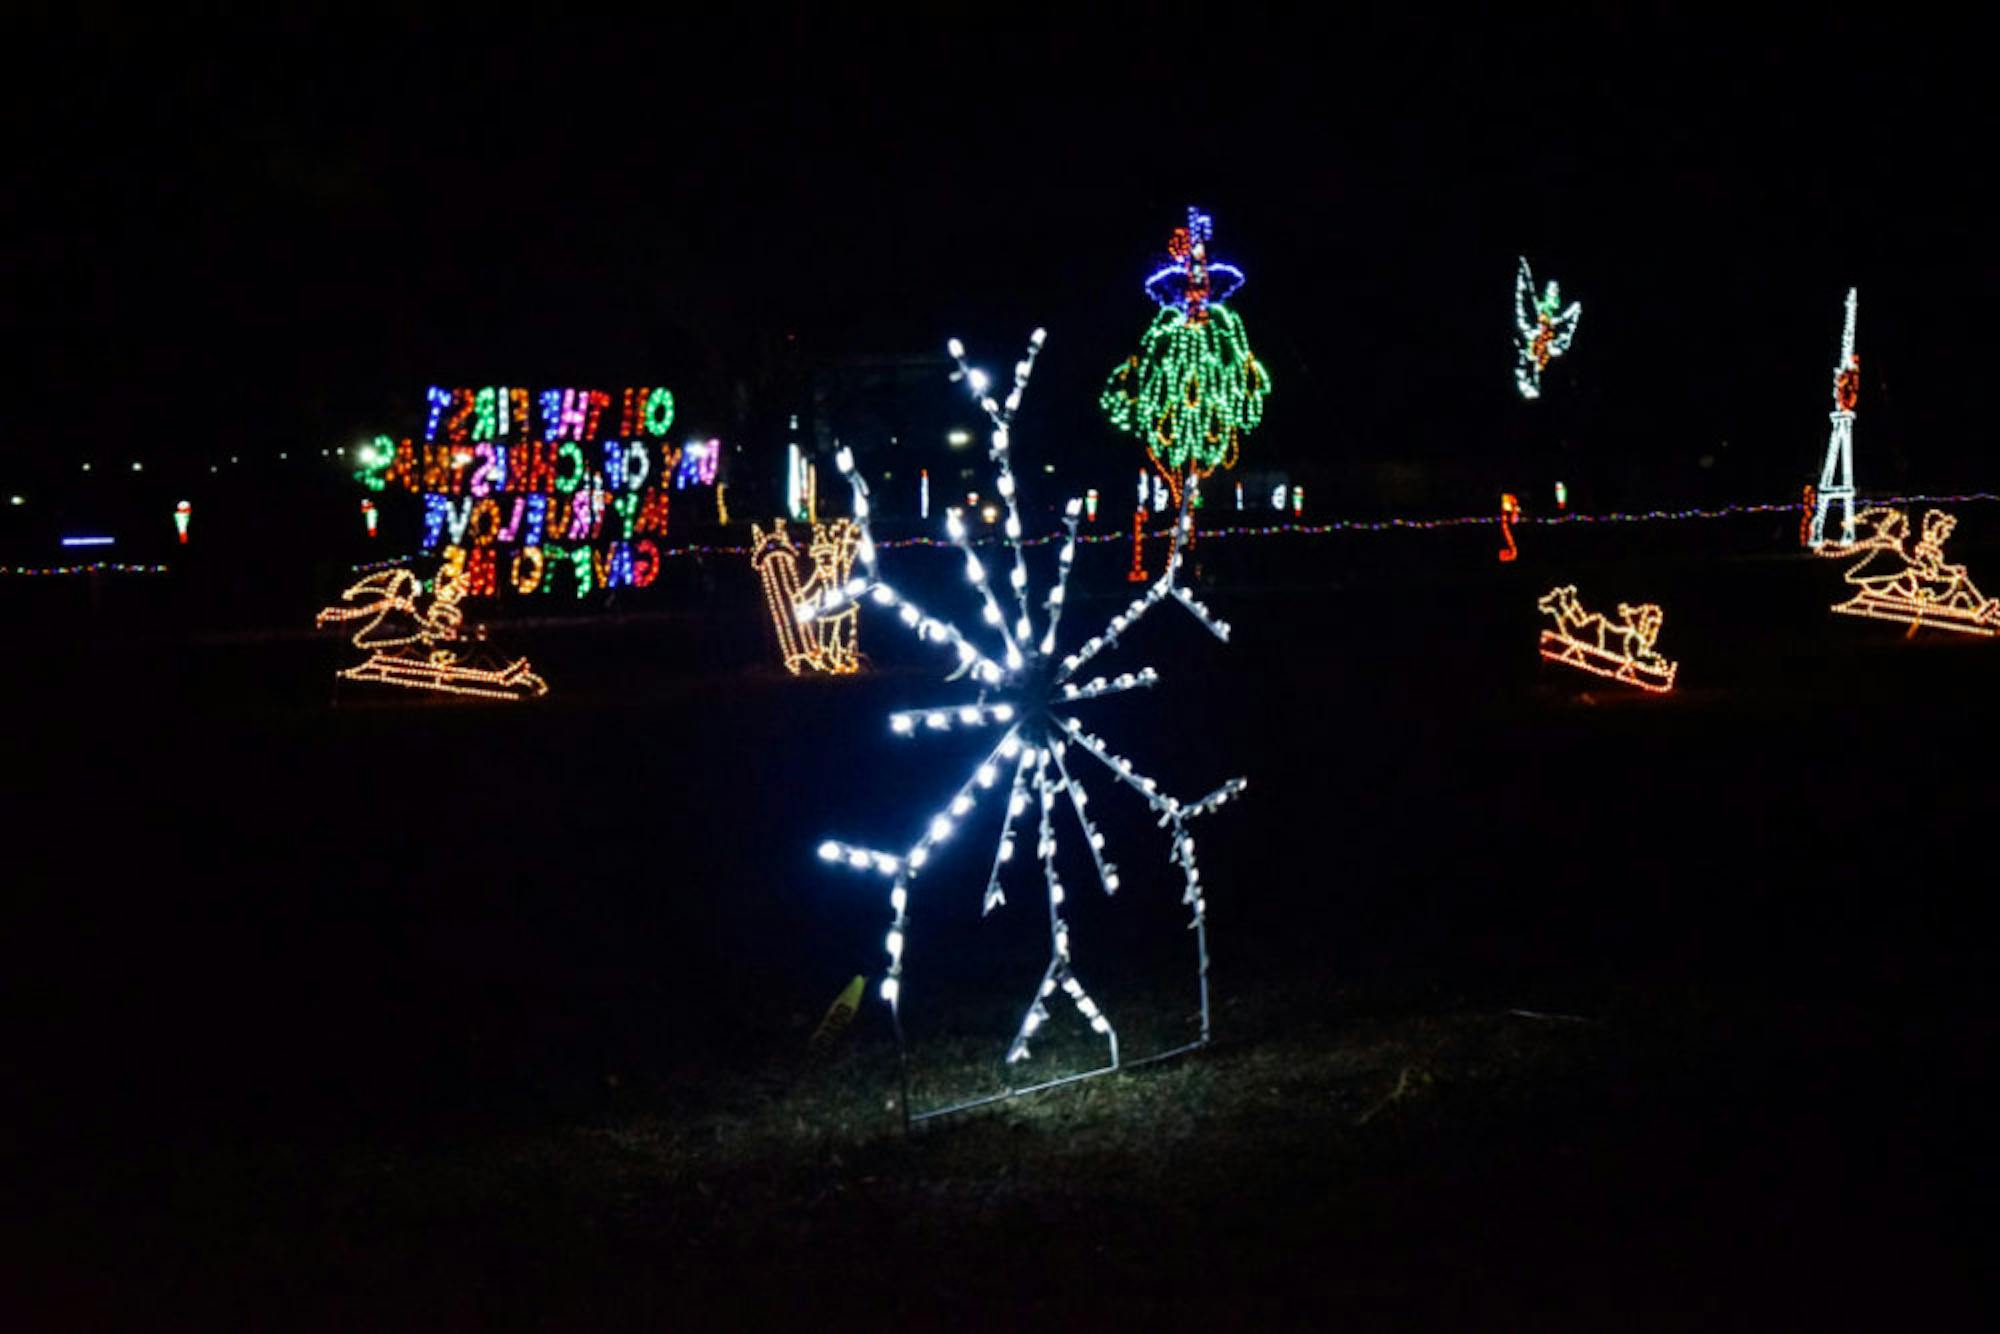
(1137, 574)
(1914, 586)
(423, 647)
(825, 642)
(1621, 650)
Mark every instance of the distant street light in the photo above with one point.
(958, 439)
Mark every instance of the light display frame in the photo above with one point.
(1024, 688)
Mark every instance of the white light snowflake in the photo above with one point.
(1023, 688)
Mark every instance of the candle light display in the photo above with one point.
(1836, 474)
(1622, 650)
(1544, 329)
(547, 489)
(1914, 585)
(423, 645)
(1024, 690)
(1194, 388)
(823, 644)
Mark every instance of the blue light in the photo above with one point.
(88, 541)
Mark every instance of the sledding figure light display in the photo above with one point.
(1622, 650)
(821, 644)
(1914, 586)
(422, 647)
(1544, 329)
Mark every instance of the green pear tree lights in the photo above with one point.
(1194, 387)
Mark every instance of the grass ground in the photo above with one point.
(1539, 1005)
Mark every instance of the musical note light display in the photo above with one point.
(1621, 650)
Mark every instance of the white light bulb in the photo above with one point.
(960, 804)
(844, 460)
(956, 348)
(978, 380)
(890, 990)
(829, 850)
(986, 775)
(894, 944)
(1003, 713)
(899, 899)
(940, 829)
(902, 724)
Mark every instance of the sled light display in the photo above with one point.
(1622, 649)
(420, 646)
(1021, 688)
(1913, 585)
(1544, 329)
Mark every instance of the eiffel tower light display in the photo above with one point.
(1836, 475)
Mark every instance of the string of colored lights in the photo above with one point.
(1341, 526)
(1023, 696)
(94, 567)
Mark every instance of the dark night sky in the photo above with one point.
(243, 236)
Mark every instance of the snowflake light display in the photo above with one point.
(1024, 689)
(1544, 329)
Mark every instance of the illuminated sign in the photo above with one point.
(532, 491)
